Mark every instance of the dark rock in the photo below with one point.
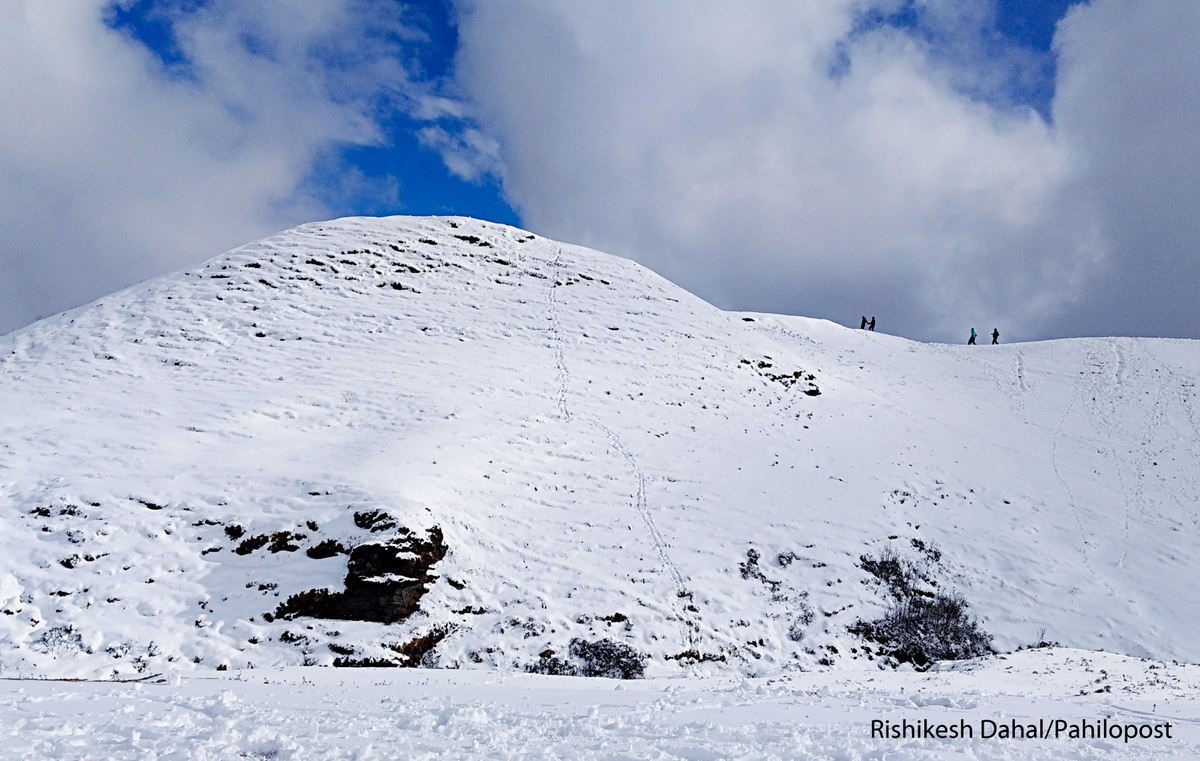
(375, 520)
(326, 549)
(281, 541)
(252, 544)
(415, 650)
(369, 663)
(695, 656)
(384, 582)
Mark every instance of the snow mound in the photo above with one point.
(443, 442)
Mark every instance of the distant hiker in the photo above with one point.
(971, 340)
(871, 324)
(995, 336)
(864, 323)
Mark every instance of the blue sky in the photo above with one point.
(426, 186)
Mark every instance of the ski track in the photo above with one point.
(1104, 390)
(1070, 493)
(1185, 393)
(639, 500)
(560, 363)
(1107, 392)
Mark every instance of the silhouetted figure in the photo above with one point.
(995, 336)
(971, 340)
(864, 323)
(871, 324)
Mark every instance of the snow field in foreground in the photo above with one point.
(317, 713)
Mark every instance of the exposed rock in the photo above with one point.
(384, 582)
(375, 521)
(326, 549)
(415, 650)
(281, 541)
(252, 544)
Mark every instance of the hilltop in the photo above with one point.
(444, 442)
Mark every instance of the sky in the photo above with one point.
(937, 164)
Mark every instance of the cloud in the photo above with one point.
(1128, 103)
(469, 154)
(114, 167)
(786, 156)
(807, 157)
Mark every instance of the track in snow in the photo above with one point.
(639, 501)
(560, 363)
(1083, 549)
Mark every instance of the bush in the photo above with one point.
(552, 665)
(902, 577)
(608, 659)
(922, 625)
(920, 630)
(603, 658)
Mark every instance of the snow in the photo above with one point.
(299, 713)
(608, 458)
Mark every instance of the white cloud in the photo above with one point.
(112, 169)
(470, 155)
(769, 155)
(1128, 103)
(766, 154)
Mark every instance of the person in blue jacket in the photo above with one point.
(971, 340)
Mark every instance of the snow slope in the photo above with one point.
(606, 456)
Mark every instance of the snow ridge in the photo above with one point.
(608, 459)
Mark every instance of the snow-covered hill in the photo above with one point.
(442, 441)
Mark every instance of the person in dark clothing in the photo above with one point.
(871, 324)
(971, 340)
(995, 336)
(864, 323)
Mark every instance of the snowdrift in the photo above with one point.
(442, 442)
